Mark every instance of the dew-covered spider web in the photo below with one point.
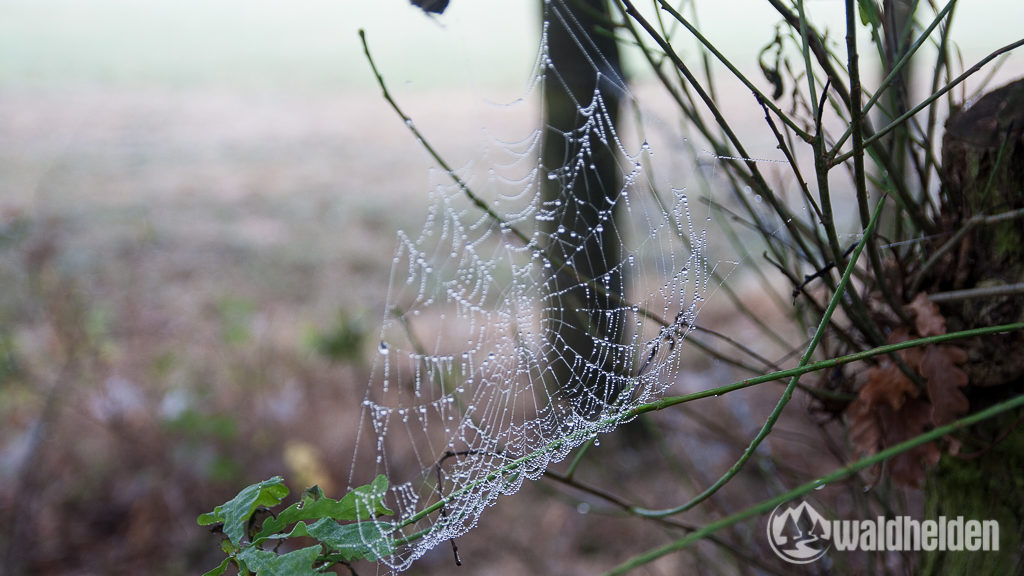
(540, 303)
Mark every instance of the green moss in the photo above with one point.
(990, 486)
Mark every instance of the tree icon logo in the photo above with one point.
(799, 534)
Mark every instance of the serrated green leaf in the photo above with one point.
(267, 563)
(361, 503)
(219, 569)
(235, 513)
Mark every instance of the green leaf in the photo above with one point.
(869, 13)
(267, 563)
(314, 492)
(235, 513)
(359, 504)
(219, 569)
(367, 501)
(363, 540)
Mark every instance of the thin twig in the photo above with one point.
(979, 219)
(928, 101)
(984, 292)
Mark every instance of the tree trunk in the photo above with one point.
(581, 358)
(983, 175)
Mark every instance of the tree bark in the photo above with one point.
(582, 356)
(983, 175)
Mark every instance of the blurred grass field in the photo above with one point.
(198, 206)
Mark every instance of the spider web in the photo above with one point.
(477, 387)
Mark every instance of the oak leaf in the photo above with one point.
(928, 321)
(908, 468)
(944, 380)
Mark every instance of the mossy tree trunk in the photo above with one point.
(983, 176)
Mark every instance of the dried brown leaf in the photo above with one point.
(889, 410)
(885, 386)
(862, 428)
(928, 321)
(908, 468)
(886, 383)
(944, 380)
(871, 430)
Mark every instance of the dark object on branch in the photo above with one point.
(428, 6)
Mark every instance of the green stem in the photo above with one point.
(805, 48)
(898, 67)
(578, 458)
(857, 128)
(735, 71)
(823, 365)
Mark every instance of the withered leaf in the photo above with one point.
(886, 383)
(871, 430)
(928, 321)
(908, 468)
(885, 387)
(944, 380)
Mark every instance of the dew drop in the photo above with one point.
(383, 348)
